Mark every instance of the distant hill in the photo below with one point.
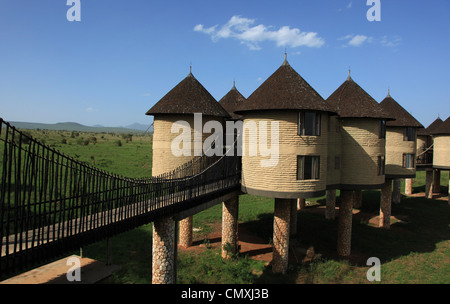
(73, 126)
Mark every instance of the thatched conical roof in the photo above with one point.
(442, 129)
(402, 117)
(350, 100)
(285, 89)
(188, 97)
(231, 101)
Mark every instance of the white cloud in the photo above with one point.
(146, 95)
(90, 110)
(349, 6)
(359, 40)
(356, 40)
(390, 41)
(244, 30)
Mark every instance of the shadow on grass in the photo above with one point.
(421, 225)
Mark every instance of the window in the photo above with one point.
(309, 123)
(382, 129)
(409, 161)
(381, 165)
(409, 134)
(308, 167)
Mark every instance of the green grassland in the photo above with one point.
(415, 250)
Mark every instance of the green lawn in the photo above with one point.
(415, 250)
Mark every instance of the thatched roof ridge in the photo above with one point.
(188, 97)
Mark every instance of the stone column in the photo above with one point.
(385, 205)
(357, 203)
(345, 223)
(408, 186)
(230, 212)
(163, 268)
(331, 205)
(437, 181)
(396, 191)
(185, 238)
(301, 202)
(429, 184)
(294, 217)
(281, 227)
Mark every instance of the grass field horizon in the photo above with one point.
(415, 250)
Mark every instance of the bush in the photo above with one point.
(119, 143)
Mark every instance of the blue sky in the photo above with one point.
(124, 55)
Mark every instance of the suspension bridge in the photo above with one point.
(52, 204)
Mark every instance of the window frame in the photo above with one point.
(409, 136)
(412, 161)
(314, 167)
(317, 124)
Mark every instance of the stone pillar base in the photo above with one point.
(163, 268)
(345, 223)
(437, 181)
(301, 203)
(185, 238)
(357, 203)
(331, 205)
(408, 186)
(281, 227)
(429, 184)
(396, 191)
(385, 205)
(230, 212)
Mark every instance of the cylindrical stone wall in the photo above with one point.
(385, 205)
(396, 147)
(163, 253)
(281, 227)
(230, 213)
(185, 237)
(345, 223)
(441, 151)
(275, 175)
(330, 210)
(361, 149)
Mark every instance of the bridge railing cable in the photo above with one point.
(51, 203)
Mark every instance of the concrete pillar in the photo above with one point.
(185, 238)
(357, 200)
(230, 213)
(331, 205)
(344, 239)
(281, 227)
(429, 184)
(294, 217)
(385, 205)
(396, 191)
(163, 264)
(437, 181)
(408, 186)
(301, 202)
